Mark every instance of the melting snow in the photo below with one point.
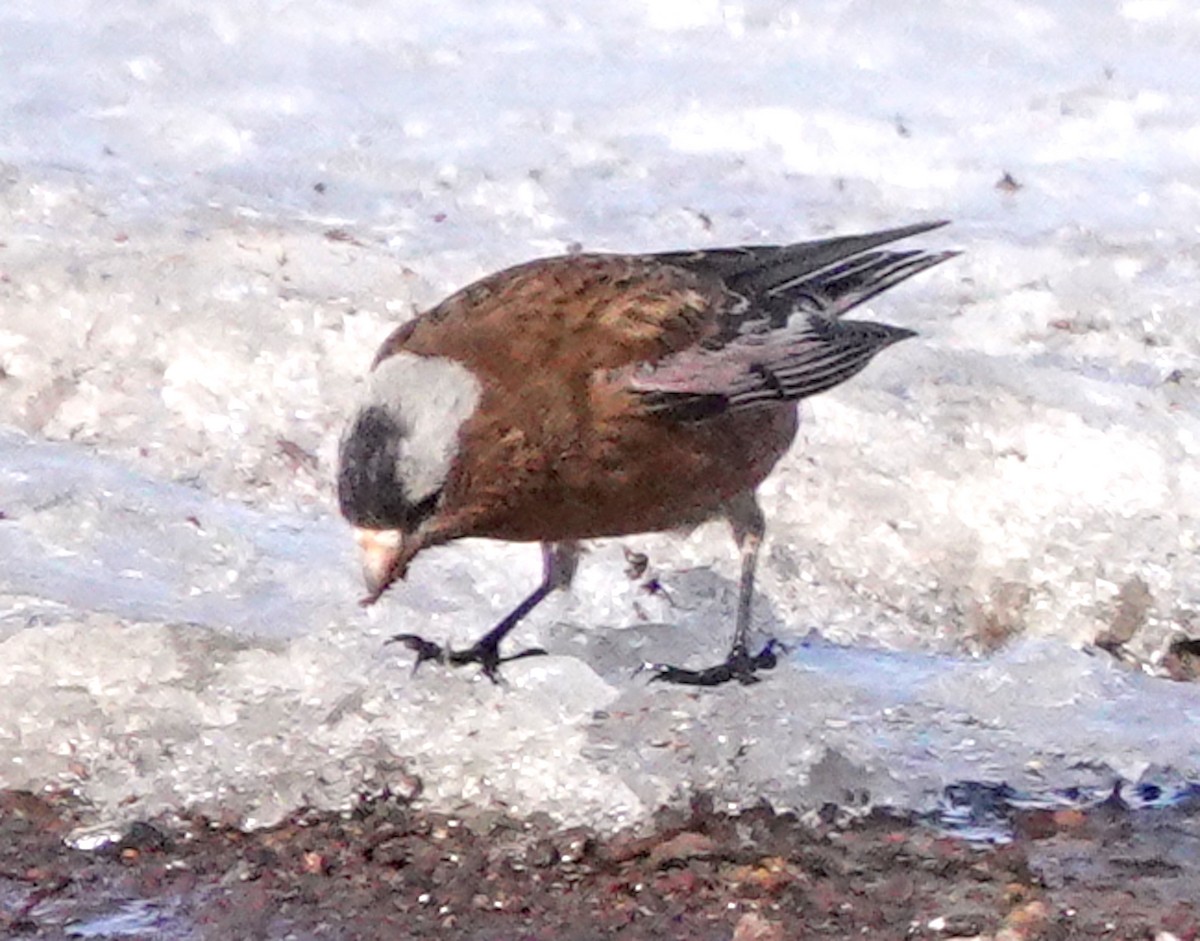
(212, 215)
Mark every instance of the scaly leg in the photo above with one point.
(746, 519)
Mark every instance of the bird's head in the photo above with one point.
(397, 455)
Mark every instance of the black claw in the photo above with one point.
(739, 665)
(485, 654)
(424, 649)
(527, 652)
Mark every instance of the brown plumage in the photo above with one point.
(603, 395)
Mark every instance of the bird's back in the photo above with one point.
(567, 316)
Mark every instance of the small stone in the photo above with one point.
(1025, 922)
(754, 927)
(686, 845)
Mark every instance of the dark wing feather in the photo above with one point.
(779, 336)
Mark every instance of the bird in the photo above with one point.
(596, 395)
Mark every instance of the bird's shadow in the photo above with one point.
(696, 631)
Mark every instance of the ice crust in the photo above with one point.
(210, 217)
(262, 689)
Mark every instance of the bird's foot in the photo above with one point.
(484, 652)
(739, 665)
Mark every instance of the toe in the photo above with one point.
(424, 649)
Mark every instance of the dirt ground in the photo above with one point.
(390, 871)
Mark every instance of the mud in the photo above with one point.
(392, 871)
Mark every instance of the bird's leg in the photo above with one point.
(746, 518)
(559, 561)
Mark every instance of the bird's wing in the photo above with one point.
(778, 334)
(568, 316)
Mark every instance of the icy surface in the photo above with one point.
(211, 214)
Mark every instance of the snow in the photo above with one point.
(212, 214)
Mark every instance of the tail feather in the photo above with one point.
(754, 270)
(838, 290)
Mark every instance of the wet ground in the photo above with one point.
(391, 871)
